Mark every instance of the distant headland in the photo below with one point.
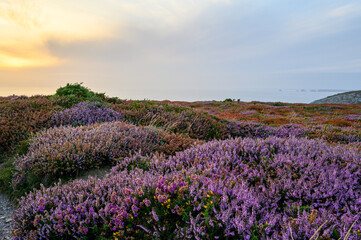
(353, 97)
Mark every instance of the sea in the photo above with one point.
(245, 95)
(192, 95)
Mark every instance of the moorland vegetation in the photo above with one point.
(81, 165)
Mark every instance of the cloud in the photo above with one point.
(321, 22)
(160, 14)
(27, 25)
(154, 44)
(39, 24)
(25, 13)
(344, 11)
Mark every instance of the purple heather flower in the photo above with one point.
(147, 202)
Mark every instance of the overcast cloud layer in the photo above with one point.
(158, 48)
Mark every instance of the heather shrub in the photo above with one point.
(171, 143)
(270, 188)
(13, 97)
(335, 134)
(202, 125)
(137, 205)
(22, 116)
(249, 112)
(331, 134)
(353, 117)
(66, 151)
(269, 113)
(258, 130)
(85, 113)
(177, 119)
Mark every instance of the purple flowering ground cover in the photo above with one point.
(85, 113)
(332, 134)
(260, 180)
(67, 151)
(273, 188)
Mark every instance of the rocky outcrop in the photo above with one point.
(353, 97)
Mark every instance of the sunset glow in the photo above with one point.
(180, 119)
(29, 26)
(166, 49)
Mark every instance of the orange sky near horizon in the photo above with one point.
(28, 25)
(121, 46)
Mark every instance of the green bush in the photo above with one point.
(75, 89)
(75, 93)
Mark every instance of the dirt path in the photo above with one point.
(6, 211)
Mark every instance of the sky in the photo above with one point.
(271, 50)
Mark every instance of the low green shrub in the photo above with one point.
(75, 93)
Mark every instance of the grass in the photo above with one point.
(6, 172)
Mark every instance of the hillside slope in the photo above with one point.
(353, 97)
